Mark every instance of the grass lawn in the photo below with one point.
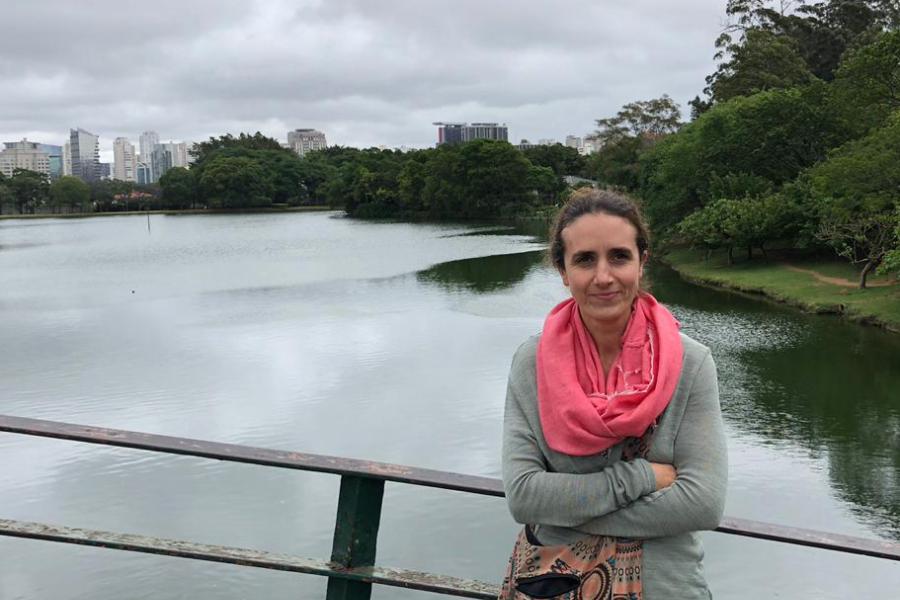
(777, 280)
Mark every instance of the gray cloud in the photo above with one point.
(366, 73)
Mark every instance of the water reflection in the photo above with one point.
(828, 386)
(485, 274)
(333, 336)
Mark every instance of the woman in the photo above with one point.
(613, 447)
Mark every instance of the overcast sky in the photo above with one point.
(365, 72)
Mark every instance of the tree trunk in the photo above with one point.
(870, 266)
(763, 250)
(730, 256)
(749, 252)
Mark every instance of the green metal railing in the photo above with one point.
(351, 570)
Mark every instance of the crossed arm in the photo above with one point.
(621, 500)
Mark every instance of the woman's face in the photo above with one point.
(602, 267)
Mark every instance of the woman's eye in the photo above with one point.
(621, 257)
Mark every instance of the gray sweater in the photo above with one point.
(566, 497)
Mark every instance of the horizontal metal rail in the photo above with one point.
(415, 580)
(358, 513)
(248, 454)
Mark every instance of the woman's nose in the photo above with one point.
(601, 273)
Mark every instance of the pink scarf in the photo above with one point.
(581, 414)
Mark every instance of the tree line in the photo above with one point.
(480, 180)
(30, 192)
(796, 143)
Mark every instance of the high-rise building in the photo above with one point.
(147, 142)
(67, 159)
(573, 141)
(142, 173)
(178, 150)
(84, 148)
(160, 161)
(123, 160)
(189, 148)
(592, 144)
(23, 155)
(55, 154)
(105, 170)
(302, 141)
(458, 133)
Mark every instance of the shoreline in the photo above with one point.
(187, 211)
(733, 281)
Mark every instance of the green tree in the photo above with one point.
(30, 190)
(762, 61)
(564, 160)
(818, 33)
(768, 137)
(6, 194)
(179, 188)
(617, 163)
(867, 85)
(856, 190)
(204, 151)
(891, 262)
(71, 193)
(650, 119)
(314, 171)
(705, 229)
(236, 182)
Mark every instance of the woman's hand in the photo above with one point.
(665, 475)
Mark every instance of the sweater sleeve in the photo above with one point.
(537, 496)
(697, 498)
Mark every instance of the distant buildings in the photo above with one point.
(592, 144)
(179, 152)
(302, 141)
(160, 161)
(573, 141)
(84, 154)
(142, 173)
(146, 143)
(55, 156)
(458, 133)
(24, 155)
(124, 160)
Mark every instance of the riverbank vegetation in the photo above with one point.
(815, 285)
(796, 145)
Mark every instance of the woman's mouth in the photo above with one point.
(603, 295)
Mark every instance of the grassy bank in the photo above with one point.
(187, 211)
(817, 286)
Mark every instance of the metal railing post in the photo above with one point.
(355, 534)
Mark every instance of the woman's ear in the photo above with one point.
(644, 258)
(562, 274)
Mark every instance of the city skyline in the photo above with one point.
(365, 74)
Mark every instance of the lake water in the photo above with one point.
(390, 342)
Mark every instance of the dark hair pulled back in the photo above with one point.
(588, 201)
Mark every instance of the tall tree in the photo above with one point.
(856, 189)
(70, 192)
(867, 85)
(236, 182)
(762, 61)
(179, 188)
(30, 189)
(649, 119)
